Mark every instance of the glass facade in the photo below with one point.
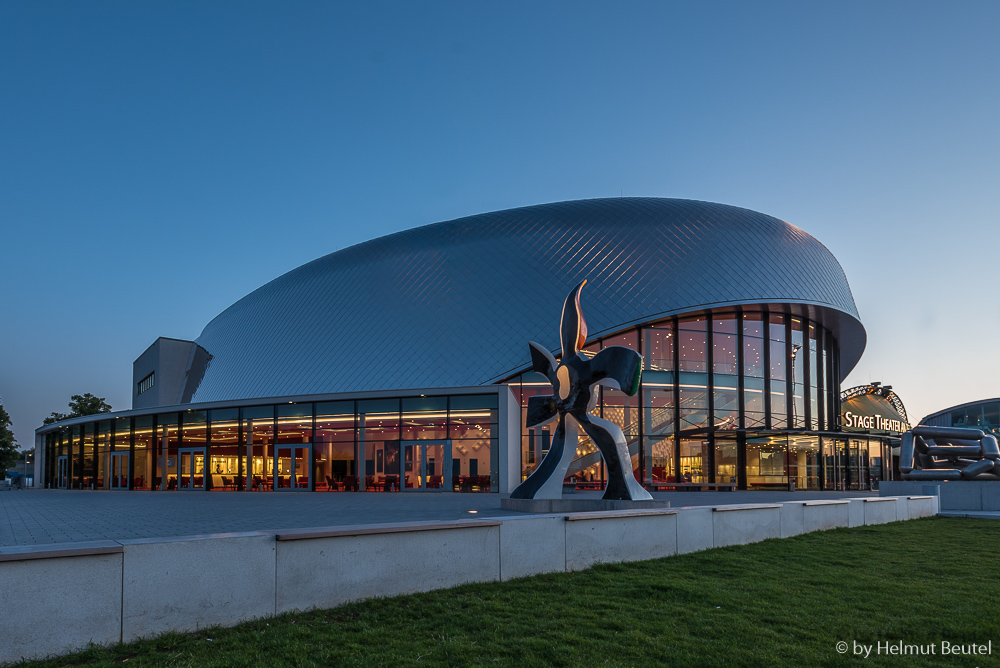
(983, 415)
(440, 443)
(735, 396)
(746, 397)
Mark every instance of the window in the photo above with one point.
(147, 382)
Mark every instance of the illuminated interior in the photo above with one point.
(439, 443)
(747, 397)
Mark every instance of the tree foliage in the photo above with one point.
(79, 405)
(8, 444)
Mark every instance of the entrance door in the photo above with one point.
(426, 465)
(191, 469)
(62, 473)
(119, 470)
(292, 468)
(835, 463)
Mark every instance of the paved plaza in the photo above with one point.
(35, 517)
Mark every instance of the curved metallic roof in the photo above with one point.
(455, 303)
(969, 404)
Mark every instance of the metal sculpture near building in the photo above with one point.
(949, 453)
(574, 379)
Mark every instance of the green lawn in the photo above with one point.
(781, 602)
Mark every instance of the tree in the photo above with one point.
(8, 444)
(81, 404)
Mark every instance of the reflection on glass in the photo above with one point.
(89, 455)
(724, 344)
(378, 438)
(658, 348)
(425, 418)
(261, 468)
(168, 440)
(814, 413)
(766, 457)
(753, 402)
(727, 406)
(626, 339)
(694, 459)
(295, 423)
(661, 454)
(798, 361)
(658, 403)
(725, 460)
(803, 461)
(694, 406)
(144, 444)
(693, 345)
(725, 372)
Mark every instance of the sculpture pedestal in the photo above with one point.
(955, 494)
(577, 505)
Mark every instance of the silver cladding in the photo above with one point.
(455, 303)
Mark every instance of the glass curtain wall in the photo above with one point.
(726, 458)
(813, 374)
(713, 387)
(754, 411)
(725, 372)
(692, 337)
(804, 461)
(121, 455)
(799, 360)
(778, 362)
(293, 458)
(472, 429)
(225, 463)
(104, 433)
(659, 402)
(424, 423)
(333, 447)
(89, 456)
(535, 442)
(259, 466)
(436, 443)
(767, 461)
(193, 453)
(142, 453)
(378, 440)
(72, 458)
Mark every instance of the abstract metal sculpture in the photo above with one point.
(949, 453)
(574, 379)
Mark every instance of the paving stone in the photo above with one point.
(29, 517)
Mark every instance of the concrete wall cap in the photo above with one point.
(371, 529)
(614, 514)
(761, 506)
(883, 498)
(186, 539)
(833, 502)
(56, 550)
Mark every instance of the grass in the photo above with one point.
(776, 603)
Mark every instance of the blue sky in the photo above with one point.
(158, 161)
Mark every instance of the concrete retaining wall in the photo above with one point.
(954, 494)
(66, 596)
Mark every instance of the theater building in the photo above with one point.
(873, 418)
(401, 364)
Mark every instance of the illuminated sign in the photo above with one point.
(874, 422)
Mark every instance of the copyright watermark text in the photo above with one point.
(900, 648)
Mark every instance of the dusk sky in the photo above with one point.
(159, 161)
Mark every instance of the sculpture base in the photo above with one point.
(955, 494)
(577, 505)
